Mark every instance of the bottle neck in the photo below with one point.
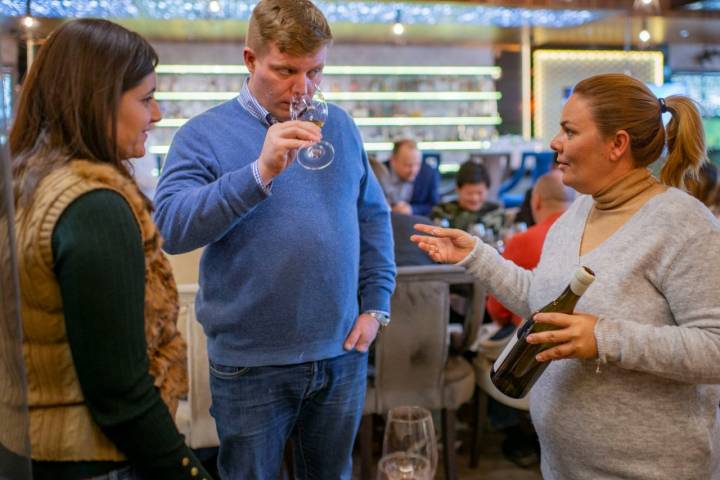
(569, 298)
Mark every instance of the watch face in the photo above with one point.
(382, 319)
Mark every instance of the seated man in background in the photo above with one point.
(472, 181)
(549, 199)
(410, 186)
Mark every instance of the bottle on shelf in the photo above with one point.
(516, 370)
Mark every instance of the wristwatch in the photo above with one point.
(382, 318)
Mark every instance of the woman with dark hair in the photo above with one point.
(105, 362)
(632, 390)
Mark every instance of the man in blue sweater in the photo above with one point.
(298, 268)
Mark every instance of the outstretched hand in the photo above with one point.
(444, 245)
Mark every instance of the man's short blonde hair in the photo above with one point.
(296, 27)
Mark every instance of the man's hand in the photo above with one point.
(362, 334)
(281, 145)
(402, 207)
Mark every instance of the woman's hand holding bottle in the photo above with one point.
(575, 337)
(444, 245)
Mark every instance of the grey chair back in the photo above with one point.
(411, 352)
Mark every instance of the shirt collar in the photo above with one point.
(250, 103)
(395, 179)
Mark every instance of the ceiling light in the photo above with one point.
(644, 36)
(398, 28)
(650, 7)
(29, 22)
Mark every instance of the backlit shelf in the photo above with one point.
(387, 146)
(493, 72)
(346, 96)
(386, 121)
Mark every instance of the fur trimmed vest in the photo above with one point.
(61, 427)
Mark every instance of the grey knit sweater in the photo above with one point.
(651, 412)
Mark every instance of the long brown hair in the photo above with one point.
(620, 102)
(69, 100)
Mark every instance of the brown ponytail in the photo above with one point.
(621, 102)
(685, 142)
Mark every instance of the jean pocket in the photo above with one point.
(227, 372)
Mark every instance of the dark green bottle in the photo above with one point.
(515, 371)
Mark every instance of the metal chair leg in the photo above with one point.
(448, 434)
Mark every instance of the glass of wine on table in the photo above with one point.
(312, 108)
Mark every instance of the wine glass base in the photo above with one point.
(316, 157)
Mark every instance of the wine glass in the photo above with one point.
(403, 466)
(312, 108)
(410, 430)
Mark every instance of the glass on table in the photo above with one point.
(312, 108)
(404, 466)
(410, 430)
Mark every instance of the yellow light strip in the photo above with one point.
(494, 72)
(424, 96)
(387, 146)
(344, 96)
(427, 121)
(449, 167)
(384, 121)
(540, 57)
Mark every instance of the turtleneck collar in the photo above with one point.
(631, 185)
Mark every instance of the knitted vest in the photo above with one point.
(61, 427)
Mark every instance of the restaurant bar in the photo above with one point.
(368, 239)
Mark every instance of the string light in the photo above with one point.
(29, 22)
(351, 11)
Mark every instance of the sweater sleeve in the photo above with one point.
(689, 350)
(507, 281)
(196, 203)
(515, 251)
(99, 263)
(377, 263)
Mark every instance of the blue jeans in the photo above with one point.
(317, 404)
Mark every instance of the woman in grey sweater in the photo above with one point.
(633, 390)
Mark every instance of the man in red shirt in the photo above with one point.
(549, 200)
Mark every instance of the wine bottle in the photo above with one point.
(516, 370)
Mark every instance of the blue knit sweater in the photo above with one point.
(281, 274)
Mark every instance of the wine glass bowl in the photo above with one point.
(410, 430)
(312, 108)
